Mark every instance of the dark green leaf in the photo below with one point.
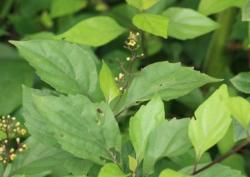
(169, 80)
(69, 68)
(242, 82)
(85, 129)
(167, 140)
(14, 73)
(38, 159)
(65, 7)
(34, 121)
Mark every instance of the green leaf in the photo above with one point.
(240, 109)
(13, 74)
(142, 4)
(209, 7)
(111, 170)
(170, 139)
(171, 173)
(235, 161)
(215, 170)
(95, 31)
(211, 122)
(9, 52)
(187, 23)
(246, 11)
(227, 142)
(64, 7)
(77, 166)
(154, 24)
(123, 14)
(85, 129)
(69, 68)
(107, 83)
(143, 123)
(34, 121)
(188, 159)
(132, 163)
(169, 80)
(37, 159)
(242, 82)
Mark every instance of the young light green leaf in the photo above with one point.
(211, 122)
(171, 173)
(69, 68)
(132, 163)
(142, 4)
(209, 7)
(111, 170)
(95, 31)
(240, 109)
(64, 7)
(13, 73)
(143, 123)
(242, 82)
(186, 23)
(154, 24)
(107, 83)
(169, 139)
(169, 80)
(246, 11)
(85, 129)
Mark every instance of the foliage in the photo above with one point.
(135, 88)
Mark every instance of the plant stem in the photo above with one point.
(195, 166)
(144, 44)
(225, 156)
(215, 62)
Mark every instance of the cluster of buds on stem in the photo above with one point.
(120, 79)
(10, 145)
(133, 45)
(132, 42)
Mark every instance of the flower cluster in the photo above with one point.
(11, 134)
(133, 45)
(132, 42)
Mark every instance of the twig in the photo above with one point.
(225, 156)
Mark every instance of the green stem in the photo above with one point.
(195, 166)
(215, 63)
(144, 44)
